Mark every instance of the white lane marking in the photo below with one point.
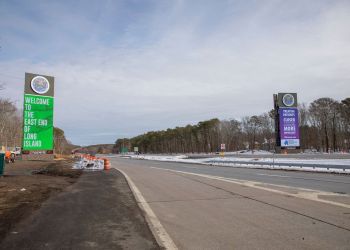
(274, 175)
(308, 194)
(306, 178)
(156, 227)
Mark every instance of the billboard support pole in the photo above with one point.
(277, 124)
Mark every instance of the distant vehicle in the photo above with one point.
(17, 151)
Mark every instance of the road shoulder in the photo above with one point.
(98, 212)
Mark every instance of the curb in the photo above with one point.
(157, 229)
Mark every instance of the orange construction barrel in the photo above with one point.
(107, 164)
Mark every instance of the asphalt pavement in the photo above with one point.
(99, 211)
(205, 207)
(330, 182)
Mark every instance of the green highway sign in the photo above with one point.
(124, 150)
(38, 113)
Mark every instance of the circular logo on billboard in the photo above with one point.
(288, 100)
(40, 85)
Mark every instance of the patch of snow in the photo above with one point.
(251, 152)
(342, 162)
(89, 164)
(265, 163)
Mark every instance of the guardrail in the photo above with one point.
(280, 164)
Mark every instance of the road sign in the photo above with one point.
(136, 149)
(289, 127)
(124, 150)
(38, 112)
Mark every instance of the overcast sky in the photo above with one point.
(123, 68)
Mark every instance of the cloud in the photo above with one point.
(169, 64)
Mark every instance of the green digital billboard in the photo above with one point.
(38, 113)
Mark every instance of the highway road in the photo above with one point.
(204, 207)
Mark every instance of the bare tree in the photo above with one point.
(323, 113)
(267, 130)
(60, 141)
(231, 134)
(345, 122)
(252, 126)
(9, 123)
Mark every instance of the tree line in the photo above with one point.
(324, 126)
(10, 128)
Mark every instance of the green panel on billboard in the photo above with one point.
(38, 122)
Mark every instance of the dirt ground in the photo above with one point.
(27, 184)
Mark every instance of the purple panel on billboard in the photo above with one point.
(289, 127)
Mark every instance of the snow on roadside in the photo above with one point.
(250, 152)
(342, 162)
(169, 158)
(275, 166)
(266, 163)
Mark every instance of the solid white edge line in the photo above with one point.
(162, 237)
